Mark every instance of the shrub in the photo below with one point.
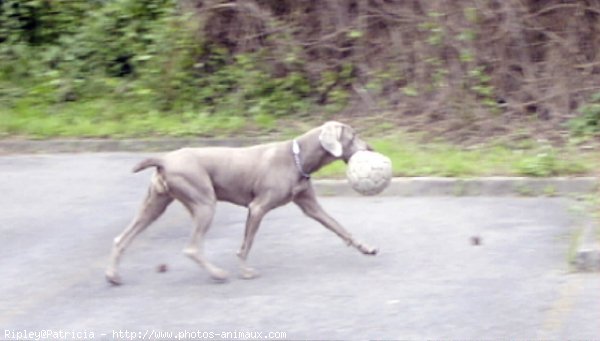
(588, 123)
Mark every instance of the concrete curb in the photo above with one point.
(488, 186)
(586, 258)
(422, 186)
(15, 146)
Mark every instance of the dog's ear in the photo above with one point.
(330, 138)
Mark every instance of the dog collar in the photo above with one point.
(297, 158)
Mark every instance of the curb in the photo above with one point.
(488, 186)
(15, 146)
(416, 186)
(587, 254)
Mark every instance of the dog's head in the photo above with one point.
(340, 140)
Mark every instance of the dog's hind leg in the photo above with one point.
(154, 205)
(199, 198)
(202, 215)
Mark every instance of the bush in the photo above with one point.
(144, 50)
(588, 123)
(448, 67)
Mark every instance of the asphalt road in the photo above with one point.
(59, 214)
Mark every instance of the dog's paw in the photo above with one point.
(113, 278)
(372, 251)
(367, 250)
(219, 275)
(248, 273)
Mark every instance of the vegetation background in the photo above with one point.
(519, 74)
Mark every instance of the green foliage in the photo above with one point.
(548, 162)
(245, 87)
(411, 158)
(136, 50)
(74, 44)
(109, 118)
(436, 33)
(540, 164)
(39, 22)
(255, 62)
(589, 121)
(480, 84)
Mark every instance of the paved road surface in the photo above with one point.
(59, 214)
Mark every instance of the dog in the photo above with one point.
(261, 178)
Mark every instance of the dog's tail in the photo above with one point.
(149, 162)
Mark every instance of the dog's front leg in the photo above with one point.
(307, 201)
(256, 211)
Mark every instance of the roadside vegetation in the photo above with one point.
(529, 158)
(455, 88)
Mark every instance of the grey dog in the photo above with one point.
(261, 178)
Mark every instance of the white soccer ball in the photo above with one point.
(368, 172)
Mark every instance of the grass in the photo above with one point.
(410, 158)
(106, 118)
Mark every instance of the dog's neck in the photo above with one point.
(313, 155)
(298, 158)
